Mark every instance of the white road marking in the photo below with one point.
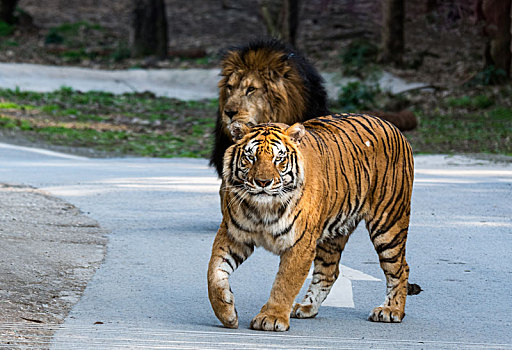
(341, 293)
(41, 151)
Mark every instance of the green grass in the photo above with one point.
(74, 42)
(488, 76)
(7, 123)
(136, 123)
(145, 125)
(68, 33)
(143, 144)
(482, 130)
(149, 144)
(6, 29)
(11, 105)
(467, 120)
(475, 102)
(68, 101)
(358, 57)
(121, 52)
(6, 44)
(356, 96)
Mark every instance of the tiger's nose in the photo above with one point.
(263, 183)
(231, 114)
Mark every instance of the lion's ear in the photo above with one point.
(296, 132)
(238, 130)
(286, 64)
(278, 68)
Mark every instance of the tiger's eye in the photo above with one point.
(249, 157)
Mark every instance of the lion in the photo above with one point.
(265, 81)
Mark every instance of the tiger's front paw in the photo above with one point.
(223, 304)
(386, 314)
(303, 311)
(267, 321)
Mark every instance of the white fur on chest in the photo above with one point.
(264, 228)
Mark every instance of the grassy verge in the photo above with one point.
(475, 121)
(134, 124)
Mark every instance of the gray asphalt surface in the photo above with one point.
(150, 292)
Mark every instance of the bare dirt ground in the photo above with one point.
(49, 250)
(443, 47)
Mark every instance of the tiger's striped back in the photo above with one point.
(368, 165)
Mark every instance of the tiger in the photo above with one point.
(299, 191)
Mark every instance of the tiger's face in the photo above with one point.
(243, 99)
(265, 162)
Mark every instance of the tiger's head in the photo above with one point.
(265, 163)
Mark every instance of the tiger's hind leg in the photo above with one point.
(325, 273)
(390, 246)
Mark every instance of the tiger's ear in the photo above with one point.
(238, 130)
(296, 132)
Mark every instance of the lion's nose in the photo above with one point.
(231, 114)
(263, 183)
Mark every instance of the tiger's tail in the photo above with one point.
(413, 289)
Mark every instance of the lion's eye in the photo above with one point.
(250, 89)
(229, 87)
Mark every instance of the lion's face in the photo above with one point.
(260, 86)
(244, 99)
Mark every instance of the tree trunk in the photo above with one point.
(270, 10)
(281, 17)
(293, 20)
(149, 28)
(7, 8)
(497, 14)
(430, 6)
(392, 37)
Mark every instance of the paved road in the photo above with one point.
(150, 291)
